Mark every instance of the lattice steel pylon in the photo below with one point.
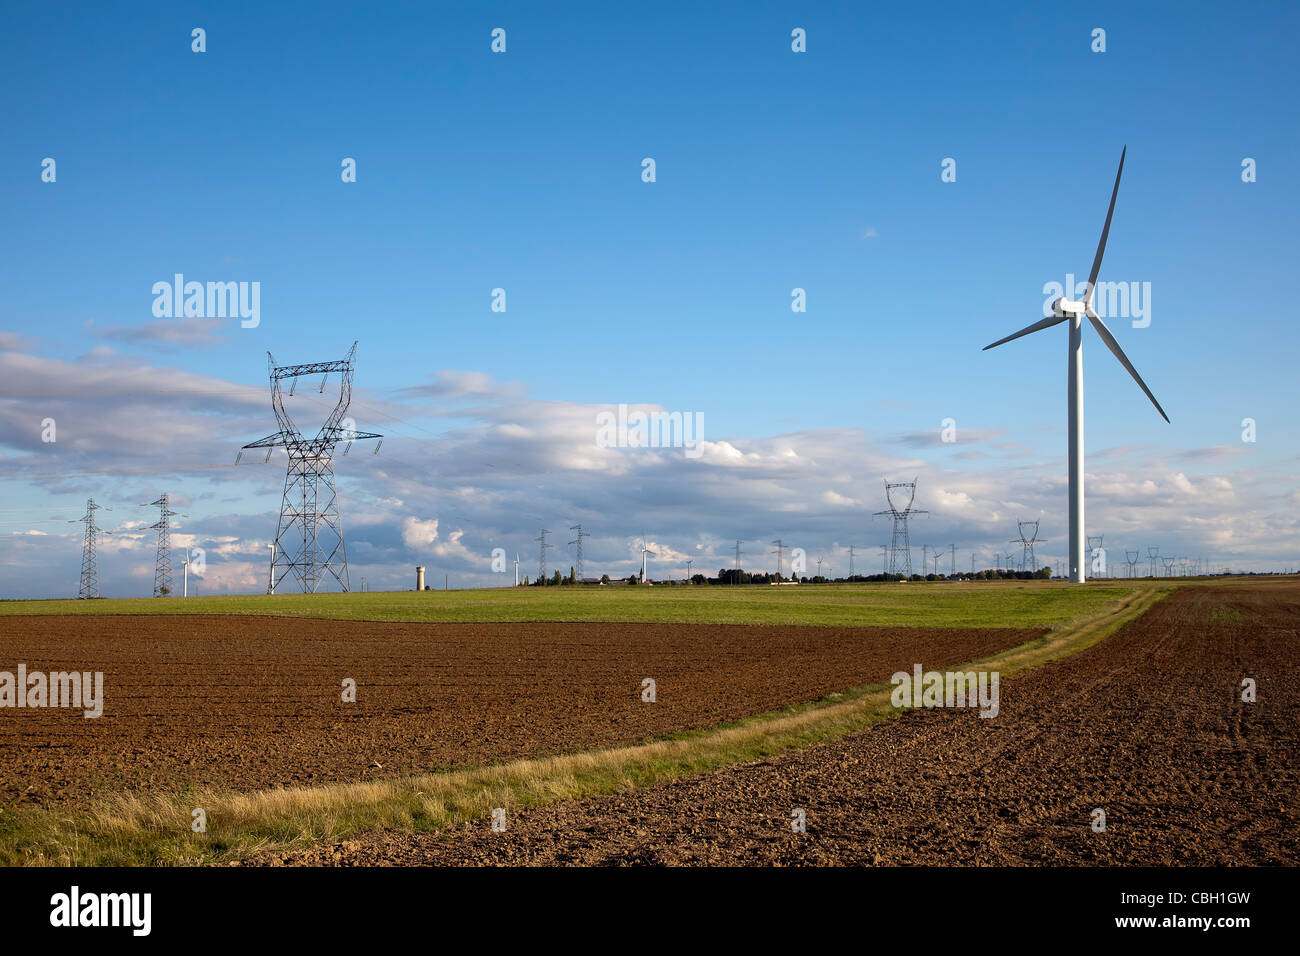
(1027, 560)
(578, 541)
(541, 555)
(1096, 544)
(309, 538)
(1131, 559)
(89, 587)
(162, 574)
(900, 545)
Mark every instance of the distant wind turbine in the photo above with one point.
(1064, 309)
(644, 553)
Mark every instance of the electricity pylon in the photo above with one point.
(541, 555)
(309, 539)
(1131, 559)
(578, 541)
(1095, 545)
(900, 547)
(89, 587)
(1027, 560)
(162, 573)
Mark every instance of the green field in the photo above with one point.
(934, 604)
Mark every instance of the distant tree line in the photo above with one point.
(729, 577)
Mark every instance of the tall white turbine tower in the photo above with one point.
(1066, 310)
(644, 553)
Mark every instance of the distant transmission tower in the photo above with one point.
(900, 546)
(1153, 553)
(578, 541)
(89, 567)
(541, 555)
(1027, 560)
(1131, 558)
(1169, 565)
(1094, 545)
(309, 539)
(851, 550)
(778, 552)
(162, 574)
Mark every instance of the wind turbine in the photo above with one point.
(1064, 310)
(644, 552)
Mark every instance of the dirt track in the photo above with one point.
(254, 702)
(1148, 725)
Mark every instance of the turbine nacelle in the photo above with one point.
(1063, 307)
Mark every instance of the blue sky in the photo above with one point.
(775, 170)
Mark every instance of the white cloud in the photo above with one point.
(419, 533)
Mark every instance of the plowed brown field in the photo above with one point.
(1148, 725)
(255, 702)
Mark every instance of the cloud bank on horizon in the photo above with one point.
(487, 467)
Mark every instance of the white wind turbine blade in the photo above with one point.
(1046, 323)
(1101, 246)
(1111, 344)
